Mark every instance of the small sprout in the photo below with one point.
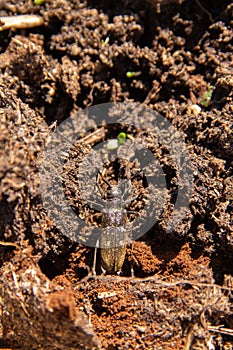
(105, 42)
(130, 74)
(130, 137)
(121, 137)
(115, 143)
(206, 97)
(38, 2)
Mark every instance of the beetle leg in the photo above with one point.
(94, 260)
(131, 264)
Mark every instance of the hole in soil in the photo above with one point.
(52, 267)
(215, 7)
(6, 213)
(60, 109)
(220, 268)
(56, 261)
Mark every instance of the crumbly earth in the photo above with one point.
(174, 57)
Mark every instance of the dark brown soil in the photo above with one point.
(181, 294)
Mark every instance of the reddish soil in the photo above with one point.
(181, 294)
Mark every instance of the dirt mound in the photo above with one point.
(174, 57)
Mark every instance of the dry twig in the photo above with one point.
(221, 330)
(9, 244)
(21, 22)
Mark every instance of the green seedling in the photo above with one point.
(105, 42)
(115, 143)
(121, 137)
(38, 2)
(206, 97)
(130, 74)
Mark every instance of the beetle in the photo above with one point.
(115, 235)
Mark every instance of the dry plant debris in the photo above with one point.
(181, 295)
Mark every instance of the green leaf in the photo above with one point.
(121, 137)
(206, 97)
(38, 2)
(130, 74)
